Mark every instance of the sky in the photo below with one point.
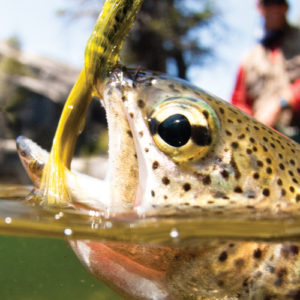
(235, 31)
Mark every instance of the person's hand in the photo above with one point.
(269, 114)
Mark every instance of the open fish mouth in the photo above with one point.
(129, 97)
(116, 194)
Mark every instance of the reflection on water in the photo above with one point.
(19, 217)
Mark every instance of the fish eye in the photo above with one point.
(184, 128)
(175, 130)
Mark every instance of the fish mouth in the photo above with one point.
(118, 193)
(122, 177)
(127, 171)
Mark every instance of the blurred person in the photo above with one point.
(268, 81)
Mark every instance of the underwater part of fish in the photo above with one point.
(176, 150)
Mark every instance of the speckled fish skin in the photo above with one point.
(245, 168)
(236, 166)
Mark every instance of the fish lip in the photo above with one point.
(123, 83)
(32, 157)
(122, 176)
(118, 86)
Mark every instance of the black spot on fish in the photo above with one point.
(221, 110)
(165, 180)
(223, 256)
(238, 189)
(266, 192)
(260, 163)
(129, 133)
(257, 253)
(224, 174)
(206, 180)
(234, 145)
(186, 187)
(269, 170)
(155, 165)
(141, 103)
(256, 176)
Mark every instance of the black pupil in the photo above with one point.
(175, 130)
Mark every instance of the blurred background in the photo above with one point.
(42, 47)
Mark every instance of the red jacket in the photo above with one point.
(245, 102)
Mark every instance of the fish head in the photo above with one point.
(174, 148)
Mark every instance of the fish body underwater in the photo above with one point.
(175, 150)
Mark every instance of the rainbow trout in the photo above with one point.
(175, 150)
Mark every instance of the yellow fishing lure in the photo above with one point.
(101, 55)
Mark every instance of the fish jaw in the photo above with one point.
(85, 190)
(122, 175)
